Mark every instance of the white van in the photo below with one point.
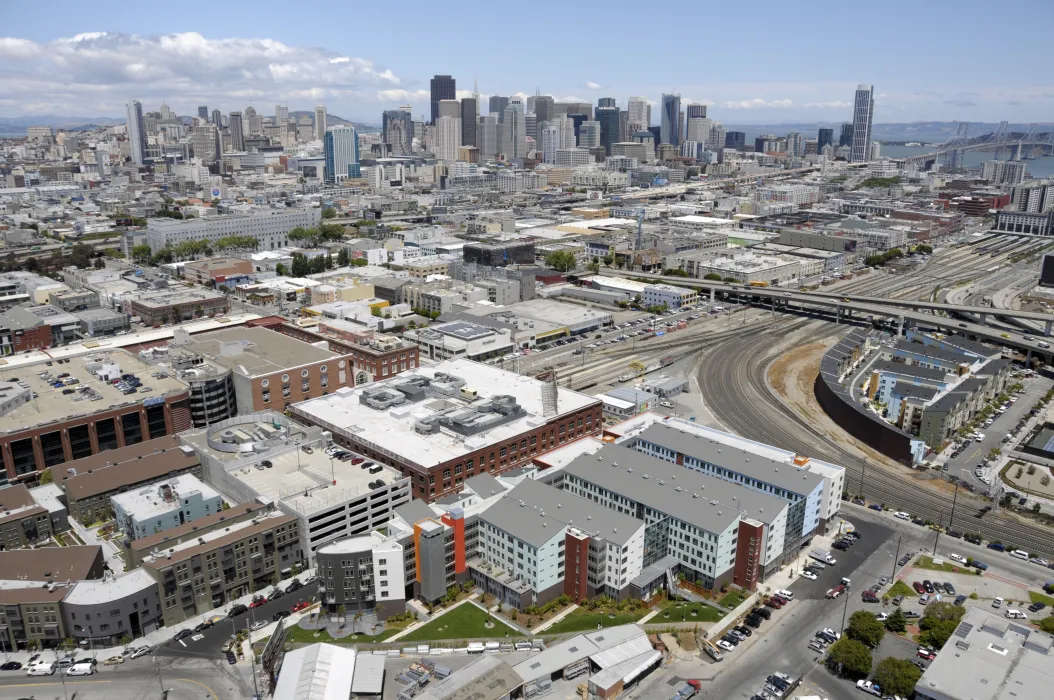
(84, 669)
(785, 594)
(902, 515)
(1014, 614)
(41, 668)
(1020, 554)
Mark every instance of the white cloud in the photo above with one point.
(757, 103)
(833, 104)
(106, 69)
(399, 95)
(590, 85)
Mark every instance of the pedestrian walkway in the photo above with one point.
(556, 618)
(435, 616)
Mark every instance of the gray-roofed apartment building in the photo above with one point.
(697, 524)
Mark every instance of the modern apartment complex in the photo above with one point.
(164, 506)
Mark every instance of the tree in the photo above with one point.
(561, 260)
(342, 614)
(113, 253)
(98, 264)
(608, 259)
(850, 656)
(865, 627)
(939, 622)
(141, 253)
(896, 676)
(896, 622)
(279, 269)
(359, 262)
(1047, 624)
(343, 257)
(712, 276)
(46, 477)
(329, 213)
(126, 639)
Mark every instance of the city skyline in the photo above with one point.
(77, 65)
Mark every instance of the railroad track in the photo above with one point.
(733, 382)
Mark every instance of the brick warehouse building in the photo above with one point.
(443, 424)
(373, 356)
(87, 414)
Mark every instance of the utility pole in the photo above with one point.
(951, 518)
(895, 560)
(252, 658)
(845, 610)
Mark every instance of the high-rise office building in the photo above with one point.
(637, 120)
(320, 122)
(136, 132)
(203, 112)
(576, 120)
(203, 138)
(497, 106)
(341, 148)
(281, 114)
(824, 137)
(795, 144)
(716, 142)
(589, 134)
(608, 117)
(237, 131)
(469, 120)
(530, 125)
(217, 118)
(736, 140)
(543, 107)
(698, 129)
(447, 138)
(550, 144)
(695, 111)
(845, 137)
(514, 131)
(449, 108)
(487, 137)
(443, 87)
(606, 102)
(671, 112)
(253, 121)
(166, 113)
(863, 111)
(397, 130)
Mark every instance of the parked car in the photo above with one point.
(280, 615)
(11, 666)
(139, 651)
(869, 688)
(1036, 607)
(237, 609)
(300, 606)
(919, 588)
(114, 661)
(182, 634)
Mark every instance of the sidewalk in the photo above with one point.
(435, 616)
(549, 623)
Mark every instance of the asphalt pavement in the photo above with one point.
(210, 642)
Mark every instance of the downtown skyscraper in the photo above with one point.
(320, 122)
(863, 111)
(397, 130)
(443, 87)
(341, 149)
(671, 115)
(237, 127)
(136, 132)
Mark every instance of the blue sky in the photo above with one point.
(757, 62)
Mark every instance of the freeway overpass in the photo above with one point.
(805, 301)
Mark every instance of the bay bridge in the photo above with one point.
(1005, 143)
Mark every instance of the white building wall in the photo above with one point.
(389, 577)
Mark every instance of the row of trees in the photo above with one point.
(561, 260)
(312, 237)
(881, 259)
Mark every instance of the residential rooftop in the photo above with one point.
(149, 502)
(771, 471)
(16, 502)
(252, 352)
(707, 502)
(172, 296)
(534, 512)
(51, 406)
(435, 394)
(245, 511)
(175, 553)
(110, 589)
(49, 563)
(133, 464)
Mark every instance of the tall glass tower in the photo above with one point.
(671, 112)
(863, 110)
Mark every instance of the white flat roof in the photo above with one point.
(316, 672)
(393, 429)
(695, 219)
(594, 223)
(90, 592)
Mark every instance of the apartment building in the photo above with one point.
(23, 521)
(202, 573)
(164, 506)
(471, 341)
(371, 355)
(668, 296)
(174, 305)
(362, 573)
(89, 483)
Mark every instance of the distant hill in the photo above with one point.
(333, 119)
(16, 126)
(932, 132)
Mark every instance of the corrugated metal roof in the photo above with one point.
(369, 675)
(316, 672)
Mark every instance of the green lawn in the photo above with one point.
(733, 598)
(900, 588)
(463, 622)
(303, 636)
(582, 621)
(679, 609)
(927, 563)
(1041, 598)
